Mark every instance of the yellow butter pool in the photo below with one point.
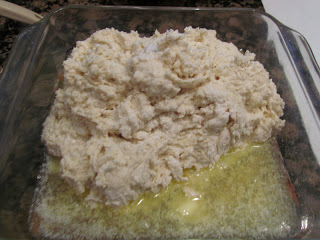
(244, 195)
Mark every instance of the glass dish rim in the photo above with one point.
(46, 19)
(174, 8)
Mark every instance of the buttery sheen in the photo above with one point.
(244, 195)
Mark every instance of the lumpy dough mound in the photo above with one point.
(134, 112)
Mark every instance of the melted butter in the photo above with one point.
(244, 195)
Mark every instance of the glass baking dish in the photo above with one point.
(29, 81)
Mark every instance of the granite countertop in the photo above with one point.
(9, 29)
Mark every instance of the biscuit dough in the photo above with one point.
(134, 112)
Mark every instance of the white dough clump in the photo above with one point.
(134, 112)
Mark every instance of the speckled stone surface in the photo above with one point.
(10, 29)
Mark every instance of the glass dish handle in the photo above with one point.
(14, 86)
